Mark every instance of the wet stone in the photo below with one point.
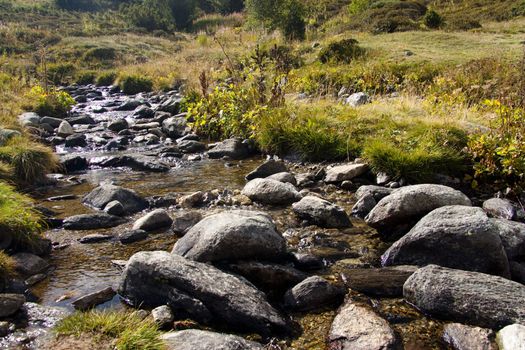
(95, 238)
(91, 300)
(463, 337)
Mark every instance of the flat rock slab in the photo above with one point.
(268, 168)
(467, 297)
(91, 300)
(200, 290)
(92, 221)
(463, 337)
(357, 327)
(193, 339)
(95, 238)
(387, 281)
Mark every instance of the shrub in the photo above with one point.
(100, 54)
(134, 84)
(433, 19)
(129, 331)
(106, 79)
(344, 51)
(287, 15)
(17, 219)
(61, 73)
(462, 23)
(86, 78)
(7, 266)
(30, 161)
(160, 14)
(53, 103)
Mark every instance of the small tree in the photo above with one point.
(285, 15)
(433, 19)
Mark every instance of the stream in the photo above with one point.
(79, 269)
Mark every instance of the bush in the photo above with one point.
(433, 19)
(86, 78)
(7, 267)
(462, 23)
(61, 73)
(341, 51)
(160, 14)
(100, 54)
(287, 16)
(134, 84)
(30, 162)
(53, 103)
(17, 219)
(106, 79)
(129, 331)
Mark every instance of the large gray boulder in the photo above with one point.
(92, 221)
(367, 198)
(411, 203)
(268, 168)
(28, 264)
(268, 191)
(233, 148)
(10, 303)
(467, 297)
(194, 339)
(106, 193)
(175, 127)
(154, 220)
(321, 212)
(345, 172)
(499, 208)
(199, 290)
(458, 237)
(357, 327)
(232, 236)
(134, 162)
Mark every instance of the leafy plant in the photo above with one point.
(54, 103)
(344, 51)
(133, 84)
(432, 19)
(106, 78)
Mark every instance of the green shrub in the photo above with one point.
(7, 267)
(53, 103)
(285, 15)
(433, 19)
(344, 51)
(462, 23)
(106, 79)
(61, 73)
(129, 331)
(100, 54)
(86, 78)
(133, 84)
(30, 161)
(160, 14)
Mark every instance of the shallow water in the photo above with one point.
(84, 268)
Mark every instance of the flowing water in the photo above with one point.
(83, 268)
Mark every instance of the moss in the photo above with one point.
(30, 161)
(127, 329)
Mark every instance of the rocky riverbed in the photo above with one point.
(277, 254)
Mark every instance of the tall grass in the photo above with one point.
(129, 331)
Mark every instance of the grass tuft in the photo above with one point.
(7, 266)
(128, 330)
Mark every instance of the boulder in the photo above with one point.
(386, 281)
(363, 206)
(65, 129)
(29, 264)
(193, 339)
(163, 316)
(129, 105)
(462, 337)
(143, 112)
(8, 134)
(190, 146)
(269, 191)
(182, 222)
(270, 167)
(81, 120)
(468, 297)
(232, 148)
(284, 177)
(54, 122)
(95, 238)
(458, 237)
(410, 203)
(512, 337)
(322, 213)
(92, 221)
(345, 172)
(313, 293)
(118, 125)
(199, 290)
(114, 208)
(91, 300)
(155, 220)
(512, 236)
(367, 198)
(357, 327)
(76, 140)
(106, 193)
(171, 105)
(29, 119)
(357, 99)
(135, 162)
(499, 208)
(132, 236)
(74, 164)
(232, 236)
(175, 127)
(10, 304)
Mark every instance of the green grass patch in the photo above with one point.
(128, 330)
(30, 161)
(134, 84)
(7, 266)
(17, 218)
